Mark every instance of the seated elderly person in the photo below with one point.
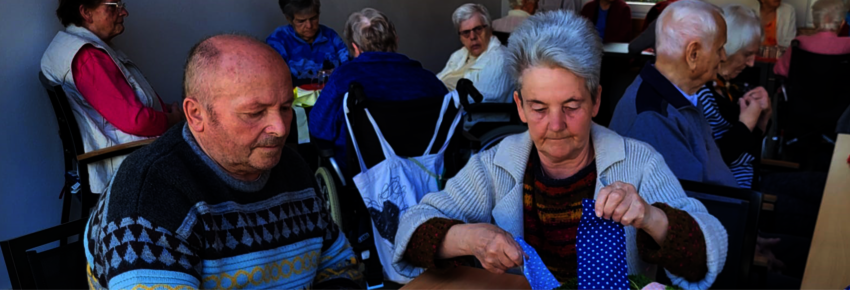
(779, 22)
(307, 46)
(738, 120)
(482, 57)
(520, 10)
(112, 101)
(384, 74)
(532, 185)
(220, 196)
(828, 19)
(661, 106)
(612, 19)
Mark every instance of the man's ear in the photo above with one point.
(692, 54)
(196, 115)
(519, 109)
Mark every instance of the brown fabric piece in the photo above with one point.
(683, 252)
(422, 249)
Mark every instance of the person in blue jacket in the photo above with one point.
(307, 46)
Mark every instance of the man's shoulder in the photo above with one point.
(152, 162)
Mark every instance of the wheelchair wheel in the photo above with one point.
(327, 186)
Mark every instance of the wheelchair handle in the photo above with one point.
(465, 89)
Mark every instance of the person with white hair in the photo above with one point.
(661, 106)
(481, 59)
(537, 185)
(385, 74)
(738, 119)
(520, 10)
(828, 19)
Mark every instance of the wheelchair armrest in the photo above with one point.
(112, 151)
(324, 148)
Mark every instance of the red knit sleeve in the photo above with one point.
(422, 249)
(103, 85)
(683, 252)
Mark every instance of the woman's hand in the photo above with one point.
(495, 248)
(750, 113)
(621, 203)
(760, 96)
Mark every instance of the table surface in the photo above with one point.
(828, 266)
(467, 278)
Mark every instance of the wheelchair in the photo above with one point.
(483, 125)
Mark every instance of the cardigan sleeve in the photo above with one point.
(469, 197)
(659, 185)
(789, 28)
(682, 252)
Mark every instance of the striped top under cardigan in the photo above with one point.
(489, 190)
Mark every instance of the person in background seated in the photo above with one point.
(738, 119)
(661, 106)
(779, 22)
(654, 12)
(220, 195)
(481, 59)
(112, 101)
(307, 46)
(385, 75)
(612, 18)
(520, 10)
(532, 184)
(828, 19)
(566, 5)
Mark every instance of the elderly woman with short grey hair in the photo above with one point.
(481, 59)
(828, 17)
(538, 185)
(307, 46)
(737, 127)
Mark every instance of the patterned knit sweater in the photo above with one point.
(173, 219)
(551, 214)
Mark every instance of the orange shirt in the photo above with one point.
(770, 33)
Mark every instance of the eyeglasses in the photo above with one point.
(467, 33)
(118, 5)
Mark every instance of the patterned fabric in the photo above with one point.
(551, 214)
(683, 250)
(742, 167)
(535, 271)
(172, 218)
(307, 59)
(601, 251)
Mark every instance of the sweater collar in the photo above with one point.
(378, 56)
(246, 186)
(667, 90)
(320, 35)
(513, 152)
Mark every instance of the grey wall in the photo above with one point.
(158, 35)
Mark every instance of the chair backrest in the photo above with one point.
(817, 92)
(738, 210)
(63, 267)
(407, 125)
(69, 132)
(502, 36)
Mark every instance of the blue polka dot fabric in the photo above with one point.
(534, 270)
(601, 251)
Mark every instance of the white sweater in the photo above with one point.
(489, 190)
(488, 74)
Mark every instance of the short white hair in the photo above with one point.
(828, 14)
(467, 11)
(685, 21)
(747, 27)
(556, 39)
(514, 4)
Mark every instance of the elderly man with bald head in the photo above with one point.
(218, 201)
(661, 107)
